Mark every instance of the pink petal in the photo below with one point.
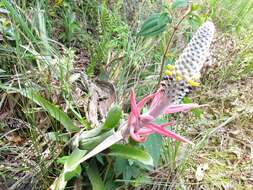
(145, 99)
(134, 109)
(156, 98)
(181, 108)
(145, 131)
(136, 136)
(167, 133)
(168, 124)
(146, 118)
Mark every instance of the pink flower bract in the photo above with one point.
(142, 125)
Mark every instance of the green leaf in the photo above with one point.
(150, 22)
(122, 167)
(91, 143)
(73, 160)
(74, 173)
(71, 168)
(153, 146)
(119, 166)
(62, 160)
(127, 173)
(164, 19)
(52, 109)
(179, 4)
(94, 177)
(113, 118)
(155, 24)
(130, 152)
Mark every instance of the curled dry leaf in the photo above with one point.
(94, 98)
(103, 95)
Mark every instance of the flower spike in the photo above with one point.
(179, 81)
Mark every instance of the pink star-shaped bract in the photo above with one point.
(142, 125)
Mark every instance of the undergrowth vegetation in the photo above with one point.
(66, 72)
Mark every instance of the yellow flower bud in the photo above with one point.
(168, 72)
(193, 83)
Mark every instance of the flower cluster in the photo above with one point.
(179, 80)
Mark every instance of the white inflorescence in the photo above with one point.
(186, 72)
(195, 54)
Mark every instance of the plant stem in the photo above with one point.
(175, 28)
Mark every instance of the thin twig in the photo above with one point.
(169, 43)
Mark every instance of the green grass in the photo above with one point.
(41, 43)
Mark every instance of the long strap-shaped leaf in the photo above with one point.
(109, 141)
(52, 109)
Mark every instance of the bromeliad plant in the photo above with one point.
(179, 81)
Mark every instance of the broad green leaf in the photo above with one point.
(122, 167)
(127, 173)
(155, 32)
(91, 143)
(106, 143)
(164, 19)
(90, 133)
(74, 173)
(179, 4)
(130, 152)
(153, 146)
(150, 22)
(73, 160)
(62, 160)
(113, 118)
(155, 24)
(130, 172)
(119, 165)
(94, 177)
